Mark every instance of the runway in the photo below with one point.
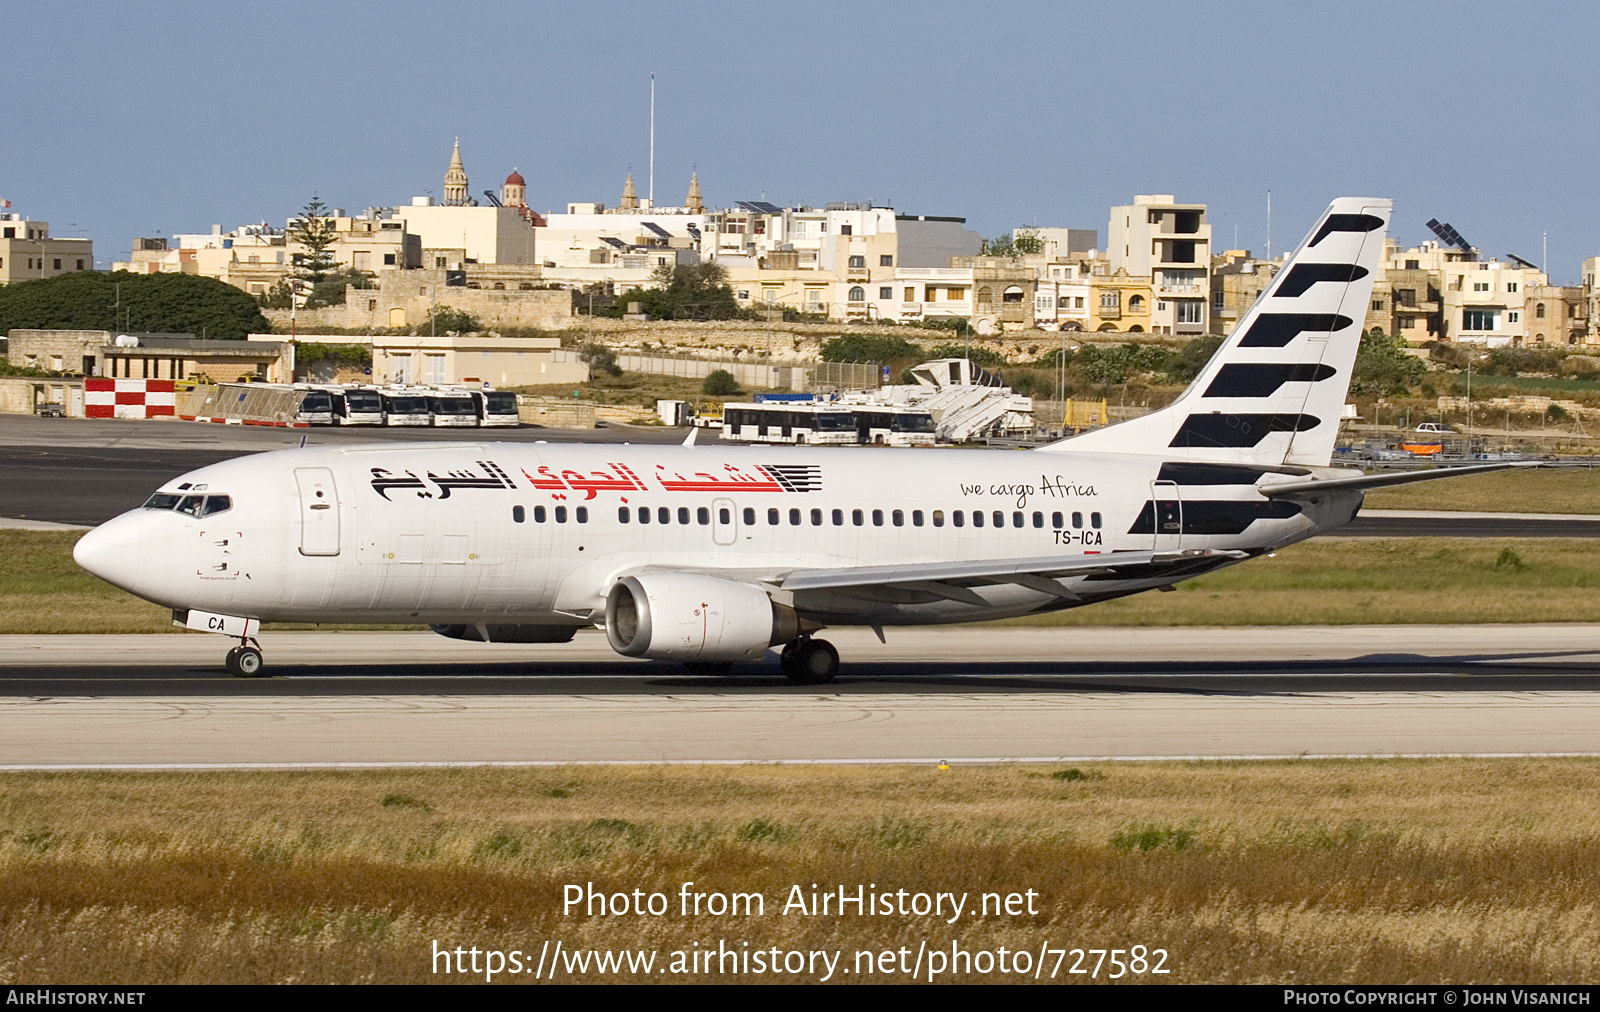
(1053, 694)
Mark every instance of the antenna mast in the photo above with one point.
(652, 141)
(1269, 224)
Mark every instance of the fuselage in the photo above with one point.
(525, 533)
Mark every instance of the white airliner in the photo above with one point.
(711, 555)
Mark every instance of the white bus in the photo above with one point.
(888, 425)
(452, 408)
(811, 422)
(405, 407)
(357, 406)
(496, 407)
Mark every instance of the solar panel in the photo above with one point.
(1522, 262)
(759, 206)
(658, 230)
(618, 243)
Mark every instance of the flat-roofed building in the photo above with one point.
(28, 251)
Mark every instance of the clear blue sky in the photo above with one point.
(125, 119)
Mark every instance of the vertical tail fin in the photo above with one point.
(1274, 392)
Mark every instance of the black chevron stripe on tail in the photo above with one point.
(1303, 276)
(1238, 429)
(1262, 379)
(1274, 330)
(1347, 223)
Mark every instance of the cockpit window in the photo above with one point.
(193, 505)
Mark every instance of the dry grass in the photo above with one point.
(1529, 491)
(1395, 871)
(1376, 582)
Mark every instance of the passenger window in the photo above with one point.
(191, 504)
(772, 516)
(538, 514)
(561, 514)
(999, 519)
(216, 504)
(816, 518)
(877, 518)
(977, 518)
(750, 516)
(857, 517)
(957, 518)
(683, 514)
(938, 518)
(1077, 519)
(518, 514)
(644, 514)
(1038, 519)
(916, 518)
(664, 515)
(794, 518)
(1016, 519)
(703, 515)
(583, 514)
(838, 518)
(1094, 519)
(1055, 520)
(725, 515)
(624, 514)
(899, 518)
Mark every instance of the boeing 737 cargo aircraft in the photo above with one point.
(710, 555)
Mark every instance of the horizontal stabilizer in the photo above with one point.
(1302, 489)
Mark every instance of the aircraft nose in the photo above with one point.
(111, 551)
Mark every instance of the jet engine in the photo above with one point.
(508, 633)
(686, 617)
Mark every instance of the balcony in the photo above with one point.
(857, 274)
(910, 309)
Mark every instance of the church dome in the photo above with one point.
(515, 179)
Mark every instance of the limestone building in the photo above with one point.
(28, 251)
(1169, 243)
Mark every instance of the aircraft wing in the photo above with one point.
(953, 580)
(1303, 489)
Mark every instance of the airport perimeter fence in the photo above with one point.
(770, 374)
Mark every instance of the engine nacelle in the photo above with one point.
(498, 633)
(687, 617)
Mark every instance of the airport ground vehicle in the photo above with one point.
(403, 407)
(496, 407)
(711, 555)
(818, 423)
(357, 406)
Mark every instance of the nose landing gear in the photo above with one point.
(244, 660)
(808, 661)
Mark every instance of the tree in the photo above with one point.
(155, 303)
(1027, 241)
(1384, 367)
(869, 348)
(599, 359)
(720, 383)
(445, 320)
(689, 292)
(313, 230)
(331, 290)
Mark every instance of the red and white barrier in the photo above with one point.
(104, 397)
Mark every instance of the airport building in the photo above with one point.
(28, 251)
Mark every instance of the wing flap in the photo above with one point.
(1033, 573)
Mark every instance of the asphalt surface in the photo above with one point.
(945, 661)
(357, 699)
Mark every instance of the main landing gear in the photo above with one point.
(808, 661)
(244, 660)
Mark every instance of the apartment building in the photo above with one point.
(1170, 243)
(28, 251)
